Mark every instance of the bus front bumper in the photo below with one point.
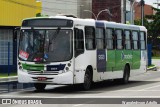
(63, 78)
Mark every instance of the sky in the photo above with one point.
(150, 2)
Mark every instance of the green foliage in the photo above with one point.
(40, 15)
(153, 27)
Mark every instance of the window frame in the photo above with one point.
(94, 41)
(77, 40)
(113, 38)
(138, 37)
(122, 38)
(142, 40)
(130, 39)
(103, 38)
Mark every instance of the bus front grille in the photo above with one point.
(43, 73)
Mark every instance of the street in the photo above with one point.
(146, 85)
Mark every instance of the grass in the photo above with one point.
(6, 75)
(156, 57)
(151, 66)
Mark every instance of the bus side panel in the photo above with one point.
(143, 64)
(136, 59)
(119, 62)
(127, 58)
(110, 60)
(88, 58)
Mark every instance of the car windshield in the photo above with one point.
(45, 45)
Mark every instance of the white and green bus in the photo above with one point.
(67, 50)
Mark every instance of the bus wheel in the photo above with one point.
(87, 80)
(39, 86)
(125, 78)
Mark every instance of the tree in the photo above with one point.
(40, 15)
(153, 27)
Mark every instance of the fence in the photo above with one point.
(8, 57)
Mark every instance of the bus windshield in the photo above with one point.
(45, 45)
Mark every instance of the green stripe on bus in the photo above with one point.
(34, 67)
(116, 59)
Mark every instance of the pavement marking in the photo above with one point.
(78, 96)
(149, 88)
(140, 90)
(77, 105)
(89, 102)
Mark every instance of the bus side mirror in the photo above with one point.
(15, 33)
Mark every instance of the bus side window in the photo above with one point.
(119, 37)
(100, 38)
(90, 38)
(135, 39)
(79, 42)
(127, 39)
(142, 40)
(109, 38)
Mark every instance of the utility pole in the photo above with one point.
(124, 11)
(142, 11)
(132, 2)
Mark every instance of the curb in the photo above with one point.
(154, 68)
(8, 79)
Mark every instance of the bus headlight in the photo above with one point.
(20, 67)
(69, 64)
(67, 68)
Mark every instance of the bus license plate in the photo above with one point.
(41, 78)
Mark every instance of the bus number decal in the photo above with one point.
(101, 60)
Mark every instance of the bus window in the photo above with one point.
(119, 39)
(135, 39)
(142, 40)
(109, 39)
(127, 39)
(79, 42)
(90, 38)
(100, 38)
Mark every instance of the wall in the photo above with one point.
(113, 5)
(54, 7)
(147, 10)
(13, 11)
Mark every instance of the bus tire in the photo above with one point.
(87, 80)
(39, 86)
(126, 75)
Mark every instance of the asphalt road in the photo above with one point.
(143, 86)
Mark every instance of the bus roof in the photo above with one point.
(91, 22)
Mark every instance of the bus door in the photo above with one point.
(78, 48)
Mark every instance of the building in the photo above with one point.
(114, 6)
(137, 10)
(81, 8)
(71, 7)
(12, 14)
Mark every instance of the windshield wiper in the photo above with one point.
(54, 36)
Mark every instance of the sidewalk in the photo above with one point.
(154, 68)
(8, 79)
(10, 84)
